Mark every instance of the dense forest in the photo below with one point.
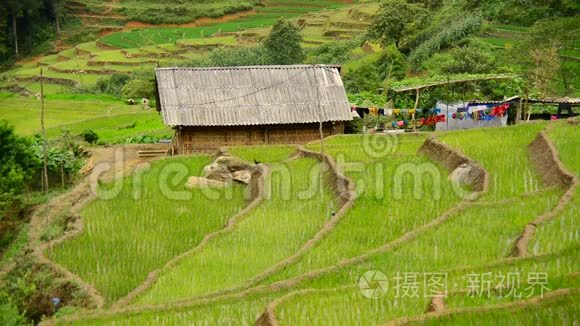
(26, 25)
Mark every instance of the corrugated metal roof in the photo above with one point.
(556, 100)
(256, 95)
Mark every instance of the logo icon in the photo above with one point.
(373, 284)
(378, 146)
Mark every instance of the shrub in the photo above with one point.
(365, 78)
(17, 165)
(90, 136)
(139, 88)
(469, 59)
(333, 53)
(113, 84)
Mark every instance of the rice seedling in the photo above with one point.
(235, 312)
(560, 311)
(263, 154)
(564, 230)
(472, 241)
(272, 232)
(565, 137)
(387, 205)
(126, 238)
(479, 236)
(504, 153)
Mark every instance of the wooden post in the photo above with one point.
(519, 112)
(320, 129)
(45, 143)
(418, 95)
(526, 106)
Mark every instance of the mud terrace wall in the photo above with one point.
(342, 186)
(451, 159)
(544, 157)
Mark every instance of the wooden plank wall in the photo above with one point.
(208, 139)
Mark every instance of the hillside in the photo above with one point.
(393, 222)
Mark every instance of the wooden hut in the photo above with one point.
(214, 107)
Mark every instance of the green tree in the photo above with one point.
(333, 52)
(469, 60)
(363, 79)
(542, 55)
(17, 164)
(283, 44)
(397, 22)
(16, 9)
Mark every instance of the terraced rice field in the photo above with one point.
(322, 21)
(264, 16)
(125, 239)
(406, 238)
(268, 235)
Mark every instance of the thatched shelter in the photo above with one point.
(214, 107)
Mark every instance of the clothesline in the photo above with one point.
(469, 111)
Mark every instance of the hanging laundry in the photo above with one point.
(500, 111)
(362, 111)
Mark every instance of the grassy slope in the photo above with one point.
(124, 239)
(478, 236)
(378, 215)
(555, 312)
(111, 119)
(503, 152)
(272, 232)
(475, 237)
(24, 113)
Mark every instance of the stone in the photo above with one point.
(197, 182)
(233, 163)
(462, 175)
(242, 176)
(217, 172)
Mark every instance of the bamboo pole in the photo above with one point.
(45, 143)
(418, 95)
